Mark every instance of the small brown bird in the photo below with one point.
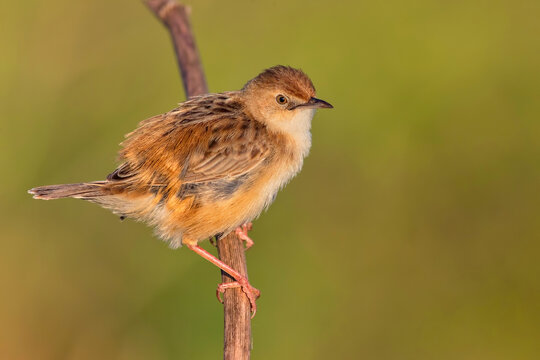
(211, 165)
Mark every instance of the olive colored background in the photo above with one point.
(412, 232)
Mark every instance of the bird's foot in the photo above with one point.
(241, 281)
(242, 233)
(252, 293)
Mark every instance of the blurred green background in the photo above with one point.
(412, 232)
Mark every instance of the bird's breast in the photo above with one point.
(275, 175)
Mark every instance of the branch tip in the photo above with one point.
(169, 6)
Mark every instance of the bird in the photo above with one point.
(211, 165)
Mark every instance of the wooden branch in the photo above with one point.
(236, 306)
(175, 17)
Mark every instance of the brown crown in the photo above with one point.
(292, 81)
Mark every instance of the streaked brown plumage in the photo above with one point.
(212, 164)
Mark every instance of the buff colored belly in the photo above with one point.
(196, 223)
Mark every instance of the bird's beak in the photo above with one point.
(318, 104)
(314, 103)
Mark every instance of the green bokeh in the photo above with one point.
(412, 232)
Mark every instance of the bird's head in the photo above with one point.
(283, 98)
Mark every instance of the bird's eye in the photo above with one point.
(282, 99)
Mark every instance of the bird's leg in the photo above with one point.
(240, 280)
(242, 233)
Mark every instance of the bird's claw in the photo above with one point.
(252, 293)
(242, 233)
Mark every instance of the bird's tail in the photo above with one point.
(86, 191)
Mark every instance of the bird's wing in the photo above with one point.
(227, 156)
(192, 144)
